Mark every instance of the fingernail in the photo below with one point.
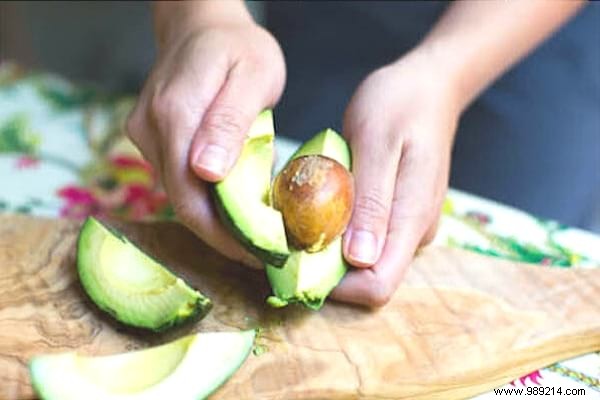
(363, 247)
(213, 159)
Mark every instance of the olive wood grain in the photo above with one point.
(460, 324)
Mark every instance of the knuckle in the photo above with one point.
(394, 140)
(379, 293)
(132, 126)
(370, 208)
(183, 210)
(168, 110)
(358, 132)
(159, 104)
(356, 125)
(137, 132)
(253, 63)
(226, 124)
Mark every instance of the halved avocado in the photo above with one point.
(242, 198)
(131, 286)
(308, 278)
(189, 368)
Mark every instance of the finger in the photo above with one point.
(194, 207)
(375, 286)
(218, 142)
(179, 104)
(178, 110)
(410, 218)
(374, 166)
(191, 201)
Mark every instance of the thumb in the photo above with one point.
(219, 139)
(375, 162)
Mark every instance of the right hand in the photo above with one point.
(208, 85)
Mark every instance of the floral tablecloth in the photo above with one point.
(63, 153)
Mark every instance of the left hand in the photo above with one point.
(400, 125)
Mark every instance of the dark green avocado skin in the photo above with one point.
(275, 259)
(202, 307)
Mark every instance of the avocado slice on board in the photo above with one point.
(131, 286)
(308, 278)
(189, 368)
(242, 198)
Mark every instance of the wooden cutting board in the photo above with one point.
(461, 323)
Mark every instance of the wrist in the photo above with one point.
(437, 79)
(452, 70)
(176, 19)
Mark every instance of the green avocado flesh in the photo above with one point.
(131, 286)
(189, 368)
(242, 198)
(326, 143)
(308, 278)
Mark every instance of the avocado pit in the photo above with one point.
(314, 194)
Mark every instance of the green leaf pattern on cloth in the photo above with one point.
(16, 137)
(63, 152)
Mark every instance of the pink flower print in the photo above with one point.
(123, 161)
(25, 162)
(142, 201)
(533, 377)
(546, 261)
(80, 202)
(128, 170)
(479, 217)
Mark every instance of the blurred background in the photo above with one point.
(532, 140)
(107, 43)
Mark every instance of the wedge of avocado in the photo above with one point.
(308, 278)
(242, 198)
(189, 368)
(131, 286)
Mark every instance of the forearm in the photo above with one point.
(474, 42)
(172, 17)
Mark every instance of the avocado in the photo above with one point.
(189, 368)
(131, 286)
(242, 198)
(308, 278)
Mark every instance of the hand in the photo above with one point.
(400, 124)
(207, 87)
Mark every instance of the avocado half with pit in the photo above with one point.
(309, 277)
(129, 285)
(242, 198)
(244, 202)
(189, 368)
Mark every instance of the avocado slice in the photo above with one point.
(308, 278)
(242, 198)
(131, 286)
(186, 369)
